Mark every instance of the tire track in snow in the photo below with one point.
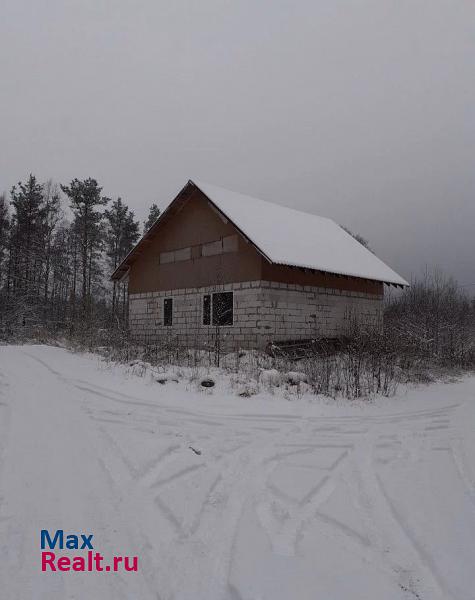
(224, 480)
(393, 543)
(242, 482)
(457, 454)
(424, 556)
(284, 536)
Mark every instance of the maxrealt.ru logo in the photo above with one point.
(90, 560)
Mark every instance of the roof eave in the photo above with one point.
(402, 284)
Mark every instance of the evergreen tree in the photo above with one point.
(85, 199)
(61, 273)
(153, 214)
(52, 207)
(121, 235)
(26, 241)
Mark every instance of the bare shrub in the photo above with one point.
(433, 322)
(365, 364)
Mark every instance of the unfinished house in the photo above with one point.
(218, 266)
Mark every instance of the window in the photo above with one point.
(218, 309)
(168, 311)
(226, 244)
(167, 257)
(223, 308)
(230, 243)
(183, 254)
(212, 248)
(174, 256)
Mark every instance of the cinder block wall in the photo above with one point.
(264, 311)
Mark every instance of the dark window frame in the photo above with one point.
(210, 316)
(168, 312)
(207, 309)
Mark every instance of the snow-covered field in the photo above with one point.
(223, 497)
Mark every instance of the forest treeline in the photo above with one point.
(59, 245)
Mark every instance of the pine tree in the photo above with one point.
(60, 272)
(153, 214)
(52, 206)
(122, 234)
(85, 199)
(26, 242)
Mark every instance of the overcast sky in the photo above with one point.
(363, 111)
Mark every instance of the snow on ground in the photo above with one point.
(223, 497)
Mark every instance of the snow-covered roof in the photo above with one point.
(291, 237)
(284, 236)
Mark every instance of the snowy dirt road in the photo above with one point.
(232, 498)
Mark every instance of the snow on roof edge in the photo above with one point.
(391, 276)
